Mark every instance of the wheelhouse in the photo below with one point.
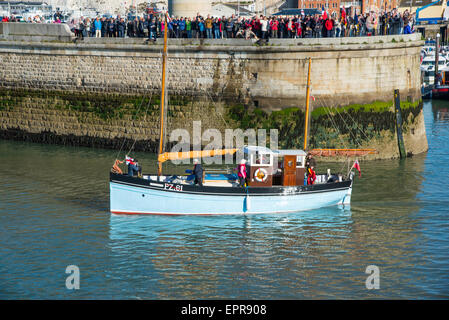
(267, 167)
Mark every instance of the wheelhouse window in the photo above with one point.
(261, 159)
(300, 161)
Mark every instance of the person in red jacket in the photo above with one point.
(132, 165)
(242, 173)
(274, 25)
(328, 24)
(298, 28)
(311, 175)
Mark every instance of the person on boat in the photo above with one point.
(198, 172)
(310, 161)
(116, 168)
(311, 175)
(132, 165)
(242, 173)
(139, 168)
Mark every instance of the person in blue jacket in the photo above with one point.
(182, 28)
(201, 28)
(97, 26)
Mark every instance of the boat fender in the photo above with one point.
(247, 200)
(261, 175)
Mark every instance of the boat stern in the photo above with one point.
(346, 201)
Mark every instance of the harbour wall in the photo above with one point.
(94, 92)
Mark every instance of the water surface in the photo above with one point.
(54, 212)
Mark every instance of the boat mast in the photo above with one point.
(161, 133)
(306, 126)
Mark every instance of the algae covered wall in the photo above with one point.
(357, 126)
(121, 121)
(98, 93)
(98, 120)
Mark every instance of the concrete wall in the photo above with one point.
(189, 8)
(78, 119)
(35, 31)
(344, 71)
(87, 93)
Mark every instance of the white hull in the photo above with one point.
(157, 198)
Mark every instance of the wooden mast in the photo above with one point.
(161, 133)
(306, 126)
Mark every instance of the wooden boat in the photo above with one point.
(276, 182)
(275, 186)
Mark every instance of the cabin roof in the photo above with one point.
(291, 152)
(257, 149)
(265, 150)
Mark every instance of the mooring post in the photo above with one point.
(397, 111)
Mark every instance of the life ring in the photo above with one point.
(261, 175)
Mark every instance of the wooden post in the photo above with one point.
(306, 126)
(397, 111)
(161, 133)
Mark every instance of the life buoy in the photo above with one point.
(261, 175)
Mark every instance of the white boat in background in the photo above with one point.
(428, 63)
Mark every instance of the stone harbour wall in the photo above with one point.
(99, 120)
(273, 75)
(89, 93)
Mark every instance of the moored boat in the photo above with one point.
(275, 183)
(274, 186)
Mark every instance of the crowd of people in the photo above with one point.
(259, 27)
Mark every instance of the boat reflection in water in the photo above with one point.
(220, 256)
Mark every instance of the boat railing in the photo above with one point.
(226, 170)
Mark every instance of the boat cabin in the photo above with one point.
(266, 168)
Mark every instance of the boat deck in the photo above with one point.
(213, 180)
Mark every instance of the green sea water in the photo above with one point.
(54, 212)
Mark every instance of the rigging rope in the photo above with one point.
(124, 138)
(329, 113)
(351, 134)
(358, 127)
(146, 111)
(221, 116)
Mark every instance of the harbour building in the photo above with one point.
(21, 8)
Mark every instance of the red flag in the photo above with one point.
(357, 166)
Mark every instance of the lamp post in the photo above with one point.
(437, 53)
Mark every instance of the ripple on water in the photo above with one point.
(54, 213)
